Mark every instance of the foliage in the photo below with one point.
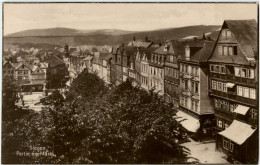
(94, 124)
(123, 125)
(9, 96)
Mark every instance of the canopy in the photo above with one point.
(238, 132)
(241, 109)
(189, 122)
(230, 85)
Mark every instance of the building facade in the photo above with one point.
(233, 82)
(194, 99)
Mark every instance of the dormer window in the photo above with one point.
(187, 52)
(165, 48)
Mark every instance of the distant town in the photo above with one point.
(211, 82)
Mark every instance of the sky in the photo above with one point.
(123, 16)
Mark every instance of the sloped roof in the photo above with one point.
(53, 61)
(147, 52)
(106, 56)
(238, 132)
(245, 32)
(204, 53)
(26, 64)
(140, 43)
(200, 50)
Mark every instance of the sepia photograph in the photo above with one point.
(130, 83)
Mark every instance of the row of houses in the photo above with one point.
(213, 84)
(33, 76)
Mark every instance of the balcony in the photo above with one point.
(233, 97)
(234, 79)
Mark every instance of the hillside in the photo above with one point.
(57, 32)
(60, 36)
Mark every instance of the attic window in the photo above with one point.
(165, 48)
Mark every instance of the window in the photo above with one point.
(225, 50)
(223, 33)
(219, 123)
(230, 50)
(197, 72)
(224, 87)
(196, 88)
(251, 73)
(246, 92)
(243, 72)
(212, 68)
(217, 69)
(252, 93)
(219, 86)
(237, 72)
(186, 84)
(225, 144)
(171, 58)
(192, 86)
(235, 50)
(186, 102)
(228, 34)
(231, 147)
(253, 114)
(193, 105)
(220, 50)
(223, 69)
(196, 106)
(239, 91)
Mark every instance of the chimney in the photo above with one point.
(160, 44)
(134, 38)
(187, 52)
(146, 39)
(204, 36)
(195, 38)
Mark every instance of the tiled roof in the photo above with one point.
(200, 50)
(245, 32)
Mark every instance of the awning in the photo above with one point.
(241, 109)
(189, 122)
(230, 85)
(238, 132)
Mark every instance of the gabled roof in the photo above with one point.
(245, 32)
(53, 61)
(25, 64)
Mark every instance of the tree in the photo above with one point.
(122, 125)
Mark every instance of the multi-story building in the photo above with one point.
(144, 66)
(97, 64)
(9, 69)
(128, 52)
(113, 73)
(194, 99)
(233, 86)
(171, 71)
(106, 67)
(156, 70)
